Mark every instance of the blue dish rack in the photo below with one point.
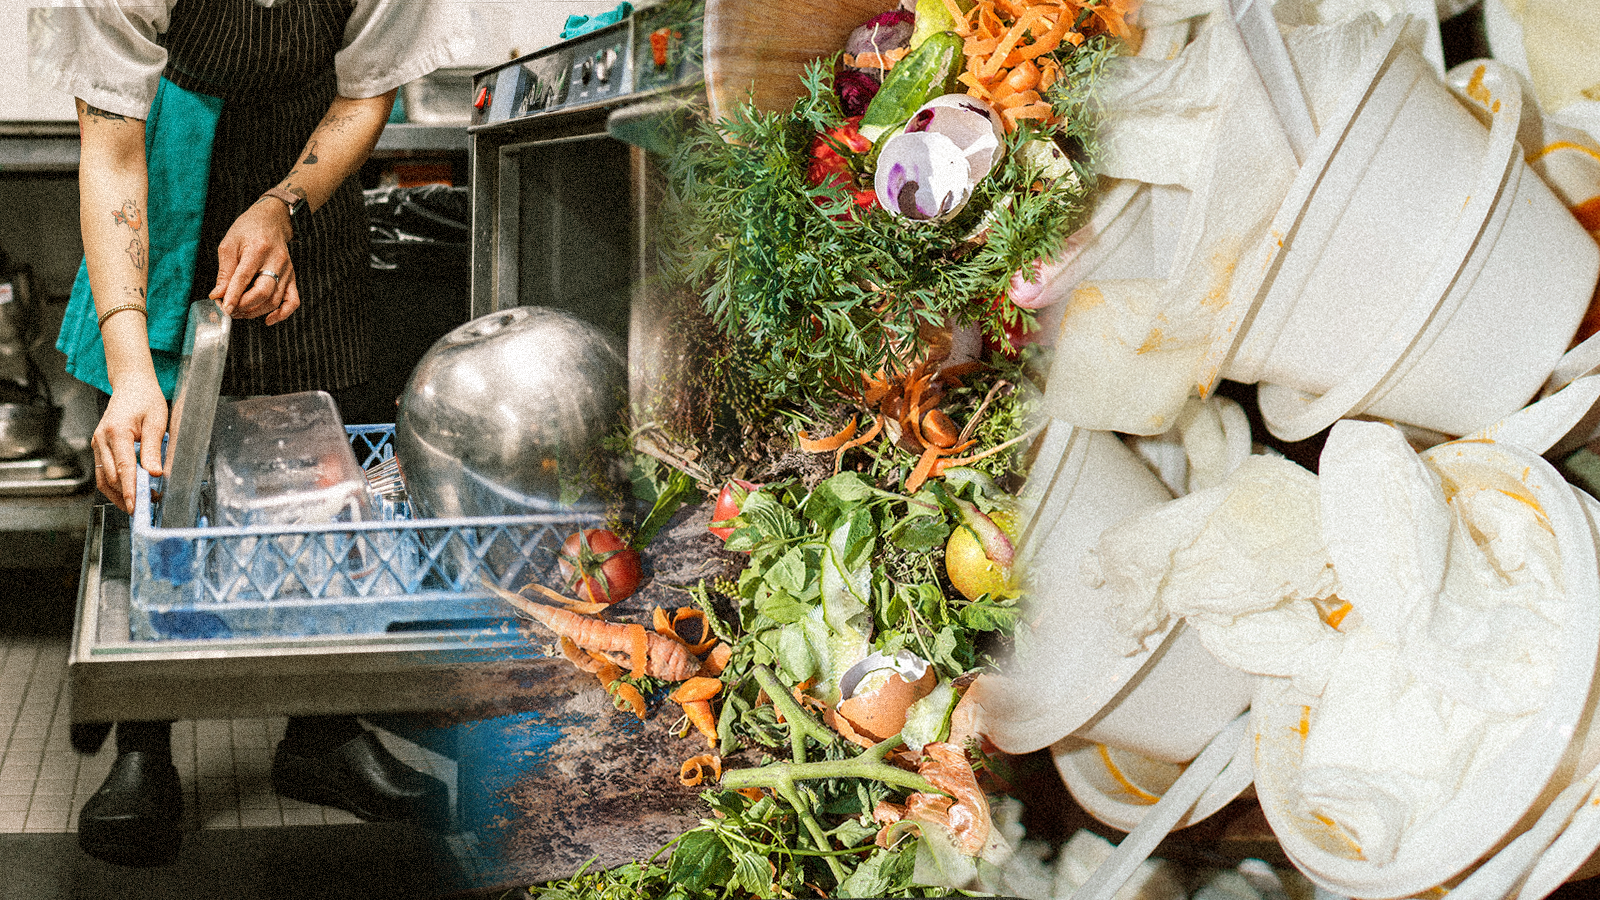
(392, 574)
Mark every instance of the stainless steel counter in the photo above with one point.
(35, 147)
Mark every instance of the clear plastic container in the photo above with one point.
(285, 460)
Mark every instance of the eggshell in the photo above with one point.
(880, 712)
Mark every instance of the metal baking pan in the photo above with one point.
(194, 410)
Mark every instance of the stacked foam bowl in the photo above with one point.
(1425, 276)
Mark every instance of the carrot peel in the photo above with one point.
(830, 443)
(698, 688)
(640, 652)
(699, 713)
(695, 768)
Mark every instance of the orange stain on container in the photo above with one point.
(1344, 836)
(1085, 298)
(1479, 92)
(1139, 795)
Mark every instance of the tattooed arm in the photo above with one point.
(258, 241)
(112, 193)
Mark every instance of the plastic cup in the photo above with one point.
(1425, 275)
(1071, 673)
(1500, 798)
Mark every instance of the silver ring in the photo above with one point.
(272, 275)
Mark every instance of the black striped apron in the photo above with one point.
(273, 69)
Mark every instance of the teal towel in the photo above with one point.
(578, 25)
(177, 145)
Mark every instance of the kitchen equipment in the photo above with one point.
(566, 196)
(58, 473)
(506, 414)
(28, 429)
(194, 408)
(30, 420)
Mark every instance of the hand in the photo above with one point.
(137, 413)
(255, 249)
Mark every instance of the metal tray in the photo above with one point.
(61, 473)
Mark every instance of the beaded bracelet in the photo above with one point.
(123, 308)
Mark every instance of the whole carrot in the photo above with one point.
(662, 657)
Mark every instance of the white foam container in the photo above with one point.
(1070, 674)
(1425, 275)
(1504, 796)
(1119, 787)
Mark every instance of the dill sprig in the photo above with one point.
(822, 292)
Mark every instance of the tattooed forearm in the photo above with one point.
(336, 122)
(129, 215)
(95, 112)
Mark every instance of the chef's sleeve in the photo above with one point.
(390, 42)
(103, 52)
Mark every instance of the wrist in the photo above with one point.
(292, 201)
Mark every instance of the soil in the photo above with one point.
(581, 780)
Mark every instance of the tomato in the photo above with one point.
(828, 165)
(599, 567)
(978, 555)
(1021, 331)
(729, 501)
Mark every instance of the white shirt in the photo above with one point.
(104, 52)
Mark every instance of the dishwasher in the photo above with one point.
(385, 617)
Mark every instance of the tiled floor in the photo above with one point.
(224, 764)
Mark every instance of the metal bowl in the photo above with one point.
(506, 414)
(28, 429)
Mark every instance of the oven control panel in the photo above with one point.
(655, 49)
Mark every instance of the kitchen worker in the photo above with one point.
(219, 138)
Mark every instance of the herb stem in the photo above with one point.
(801, 724)
(790, 792)
(867, 765)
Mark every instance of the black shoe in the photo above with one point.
(363, 778)
(136, 817)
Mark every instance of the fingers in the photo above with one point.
(255, 274)
(256, 286)
(118, 452)
(290, 302)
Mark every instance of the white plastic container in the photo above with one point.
(1118, 787)
(1425, 276)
